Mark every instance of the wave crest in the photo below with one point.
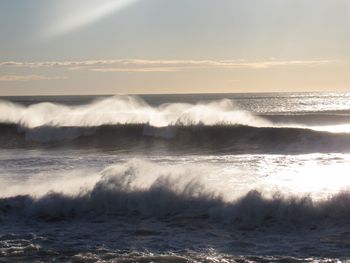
(127, 110)
(146, 190)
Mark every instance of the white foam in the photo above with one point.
(146, 189)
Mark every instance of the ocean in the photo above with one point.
(175, 178)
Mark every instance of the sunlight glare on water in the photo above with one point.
(315, 177)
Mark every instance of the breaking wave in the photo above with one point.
(143, 189)
(128, 122)
(126, 110)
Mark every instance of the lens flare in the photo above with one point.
(68, 15)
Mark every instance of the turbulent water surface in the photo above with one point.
(175, 178)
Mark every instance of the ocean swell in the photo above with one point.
(197, 138)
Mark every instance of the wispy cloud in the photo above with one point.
(142, 65)
(151, 69)
(22, 78)
(71, 15)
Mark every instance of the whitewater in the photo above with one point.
(175, 178)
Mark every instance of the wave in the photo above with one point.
(126, 110)
(196, 138)
(129, 123)
(145, 190)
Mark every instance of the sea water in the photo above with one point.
(175, 178)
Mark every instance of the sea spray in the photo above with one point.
(140, 188)
(127, 110)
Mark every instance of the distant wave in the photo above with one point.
(140, 189)
(125, 122)
(126, 110)
(196, 138)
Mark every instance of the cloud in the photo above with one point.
(155, 69)
(68, 15)
(142, 65)
(22, 78)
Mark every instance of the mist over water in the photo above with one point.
(171, 180)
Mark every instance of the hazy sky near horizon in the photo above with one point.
(173, 46)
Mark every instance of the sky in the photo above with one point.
(65, 47)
